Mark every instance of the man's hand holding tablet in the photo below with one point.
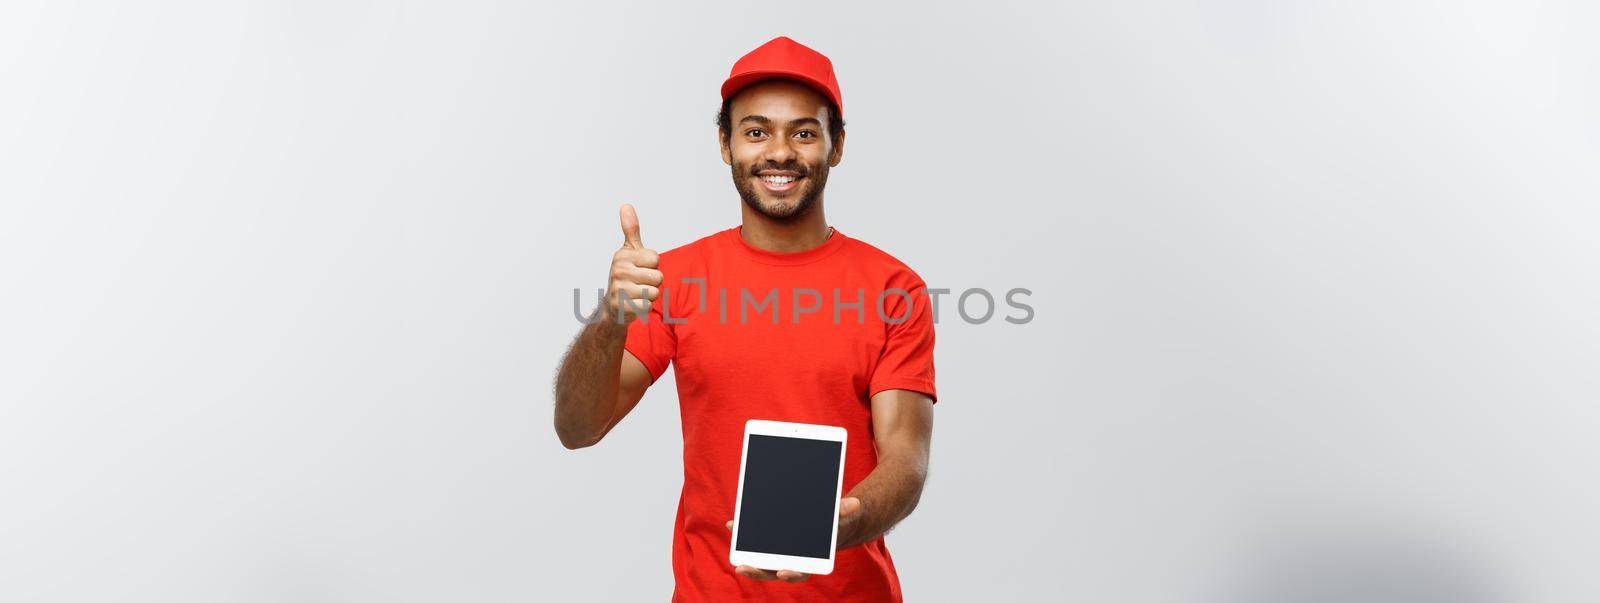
(848, 512)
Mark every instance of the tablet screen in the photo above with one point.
(791, 487)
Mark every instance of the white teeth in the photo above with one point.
(778, 179)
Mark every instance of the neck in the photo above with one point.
(801, 234)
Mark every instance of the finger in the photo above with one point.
(730, 524)
(792, 576)
(849, 506)
(755, 574)
(647, 258)
(628, 305)
(636, 294)
(630, 227)
(648, 277)
(640, 258)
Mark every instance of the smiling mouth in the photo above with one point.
(779, 182)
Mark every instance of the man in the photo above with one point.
(782, 318)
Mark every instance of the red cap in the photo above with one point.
(787, 59)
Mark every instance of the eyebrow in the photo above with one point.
(763, 120)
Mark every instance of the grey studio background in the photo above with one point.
(285, 283)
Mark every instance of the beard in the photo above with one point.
(796, 205)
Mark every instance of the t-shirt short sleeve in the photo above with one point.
(651, 340)
(907, 358)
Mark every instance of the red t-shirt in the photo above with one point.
(743, 351)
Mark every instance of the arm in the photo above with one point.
(902, 427)
(599, 382)
(597, 385)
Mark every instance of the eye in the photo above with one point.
(755, 132)
(806, 134)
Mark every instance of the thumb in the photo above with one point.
(849, 506)
(630, 227)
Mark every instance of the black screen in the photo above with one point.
(790, 489)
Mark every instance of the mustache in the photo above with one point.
(791, 166)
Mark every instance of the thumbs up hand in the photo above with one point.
(635, 282)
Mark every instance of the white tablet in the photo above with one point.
(787, 513)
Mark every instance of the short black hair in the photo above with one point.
(725, 122)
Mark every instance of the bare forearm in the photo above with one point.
(586, 384)
(888, 495)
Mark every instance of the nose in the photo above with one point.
(780, 152)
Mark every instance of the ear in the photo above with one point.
(722, 141)
(838, 151)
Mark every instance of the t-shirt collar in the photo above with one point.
(787, 259)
